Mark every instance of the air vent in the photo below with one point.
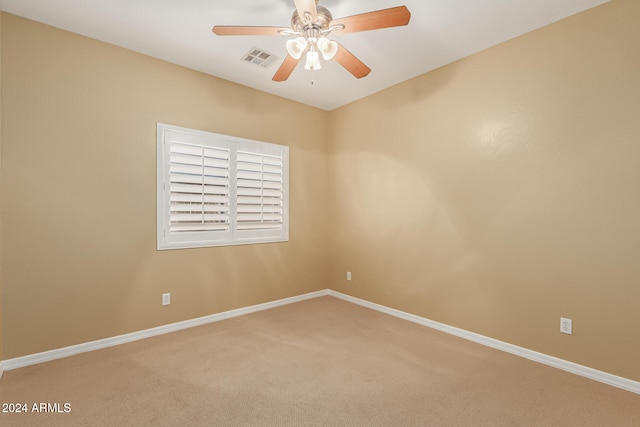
(260, 57)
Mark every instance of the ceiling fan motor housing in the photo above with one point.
(322, 22)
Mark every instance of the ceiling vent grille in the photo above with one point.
(259, 57)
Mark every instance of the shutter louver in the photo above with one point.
(199, 188)
(259, 183)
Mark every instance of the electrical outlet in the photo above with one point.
(566, 326)
(166, 299)
(348, 275)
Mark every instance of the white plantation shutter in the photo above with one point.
(218, 190)
(259, 192)
(199, 188)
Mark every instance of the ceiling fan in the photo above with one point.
(312, 24)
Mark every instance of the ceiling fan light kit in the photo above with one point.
(296, 47)
(313, 60)
(312, 24)
(328, 48)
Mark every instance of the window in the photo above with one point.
(216, 190)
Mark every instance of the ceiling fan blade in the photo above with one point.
(351, 63)
(226, 30)
(306, 6)
(385, 18)
(286, 68)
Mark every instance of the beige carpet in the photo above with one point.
(322, 362)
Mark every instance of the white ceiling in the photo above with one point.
(179, 31)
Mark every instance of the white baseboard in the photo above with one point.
(47, 356)
(584, 371)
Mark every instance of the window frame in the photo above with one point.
(166, 239)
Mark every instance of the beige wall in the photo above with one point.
(502, 192)
(79, 152)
